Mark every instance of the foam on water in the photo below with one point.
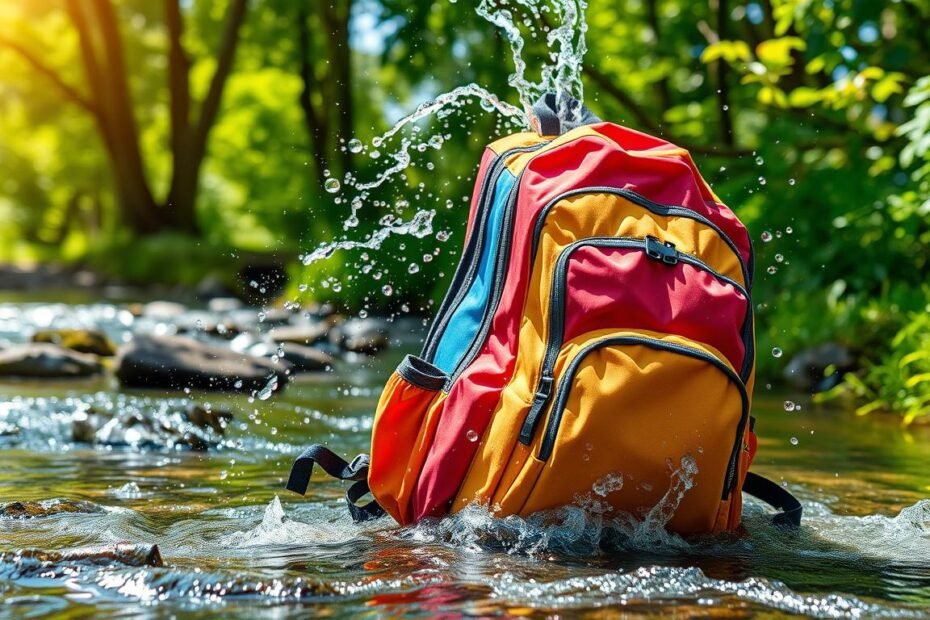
(277, 529)
(656, 584)
(581, 529)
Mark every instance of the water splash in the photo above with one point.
(561, 74)
(566, 43)
(276, 528)
(583, 529)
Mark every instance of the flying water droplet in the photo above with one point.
(766, 236)
(790, 406)
(776, 352)
(388, 290)
(332, 185)
(355, 145)
(794, 441)
(471, 436)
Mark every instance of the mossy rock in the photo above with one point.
(81, 340)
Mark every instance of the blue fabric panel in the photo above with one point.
(466, 319)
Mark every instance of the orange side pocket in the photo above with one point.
(412, 396)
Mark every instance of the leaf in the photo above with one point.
(804, 97)
(913, 357)
(916, 380)
(889, 85)
(776, 53)
(868, 408)
(730, 51)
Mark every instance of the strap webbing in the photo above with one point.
(551, 122)
(337, 467)
(776, 496)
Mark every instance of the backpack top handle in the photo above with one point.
(556, 114)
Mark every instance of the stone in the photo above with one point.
(307, 359)
(212, 287)
(41, 564)
(368, 336)
(47, 508)
(45, 361)
(80, 340)
(303, 334)
(224, 304)
(164, 310)
(176, 363)
(807, 370)
(216, 419)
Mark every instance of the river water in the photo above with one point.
(233, 540)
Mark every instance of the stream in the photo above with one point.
(230, 538)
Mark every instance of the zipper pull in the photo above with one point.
(662, 251)
(543, 392)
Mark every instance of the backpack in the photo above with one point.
(597, 336)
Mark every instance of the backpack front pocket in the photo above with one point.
(662, 415)
(404, 425)
(652, 286)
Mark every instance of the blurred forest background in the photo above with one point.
(166, 141)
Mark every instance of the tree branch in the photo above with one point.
(178, 80)
(315, 126)
(224, 61)
(652, 17)
(50, 74)
(645, 119)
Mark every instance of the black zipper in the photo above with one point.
(655, 207)
(468, 263)
(557, 314)
(555, 417)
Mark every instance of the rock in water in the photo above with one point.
(303, 334)
(176, 363)
(808, 369)
(307, 359)
(54, 564)
(367, 336)
(202, 417)
(80, 340)
(42, 360)
(47, 508)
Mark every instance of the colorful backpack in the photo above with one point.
(598, 334)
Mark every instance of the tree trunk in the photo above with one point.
(317, 129)
(190, 140)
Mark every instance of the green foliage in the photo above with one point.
(899, 380)
(805, 116)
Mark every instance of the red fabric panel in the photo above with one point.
(642, 293)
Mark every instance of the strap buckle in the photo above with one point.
(544, 389)
(659, 250)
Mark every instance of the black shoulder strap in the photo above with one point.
(337, 467)
(775, 495)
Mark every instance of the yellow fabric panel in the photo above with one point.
(515, 141)
(629, 410)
